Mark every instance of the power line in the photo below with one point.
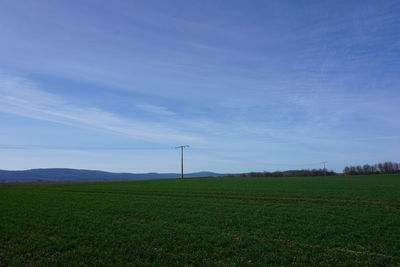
(43, 147)
(154, 148)
(182, 148)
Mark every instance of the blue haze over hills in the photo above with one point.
(67, 175)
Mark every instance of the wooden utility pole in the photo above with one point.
(324, 162)
(182, 148)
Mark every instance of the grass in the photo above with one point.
(345, 221)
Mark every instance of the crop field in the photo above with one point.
(341, 221)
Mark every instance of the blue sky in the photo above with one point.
(249, 85)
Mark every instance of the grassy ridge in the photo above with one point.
(344, 221)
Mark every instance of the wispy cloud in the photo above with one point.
(22, 97)
(160, 110)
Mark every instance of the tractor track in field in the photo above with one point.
(236, 197)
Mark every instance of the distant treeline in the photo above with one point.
(292, 173)
(379, 168)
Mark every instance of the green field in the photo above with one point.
(342, 221)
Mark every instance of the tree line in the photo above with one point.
(387, 167)
(291, 173)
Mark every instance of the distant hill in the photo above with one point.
(60, 175)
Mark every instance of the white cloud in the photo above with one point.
(23, 98)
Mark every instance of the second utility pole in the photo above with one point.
(182, 147)
(324, 162)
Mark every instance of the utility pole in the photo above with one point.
(182, 147)
(324, 162)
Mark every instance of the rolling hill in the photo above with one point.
(60, 175)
